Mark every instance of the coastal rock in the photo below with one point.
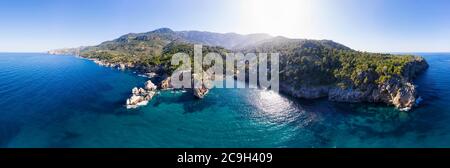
(122, 66)
(166, 83)
(346, 95)
(150, 86)
(412, 69)
(200, 92)
(397, 91)
(393, 92)
(404, 97)
(103, 63)
(135, 100)
(141, 96)
(307, 92)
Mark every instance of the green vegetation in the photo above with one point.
(312, 62)
(302, 62)
(146, 50)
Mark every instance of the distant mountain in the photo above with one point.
(67, 51)
(308, 68)
(166, 35)
(228, 40)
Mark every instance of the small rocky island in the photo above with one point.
(141, 96)
(309, 69)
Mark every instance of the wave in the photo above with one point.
(142, 75)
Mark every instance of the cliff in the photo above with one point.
(398, 91)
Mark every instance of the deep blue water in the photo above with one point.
(64, 101)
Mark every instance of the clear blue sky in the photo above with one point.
(369, 25)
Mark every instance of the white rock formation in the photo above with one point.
(141, 96)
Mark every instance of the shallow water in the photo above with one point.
(64, 101)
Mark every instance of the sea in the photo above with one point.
(54, 101)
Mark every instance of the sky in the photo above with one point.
(366, 25)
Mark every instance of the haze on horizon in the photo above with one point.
(366, 25)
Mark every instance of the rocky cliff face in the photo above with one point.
(306, 92)
(397, 91)
(199, 93)
(401, 94)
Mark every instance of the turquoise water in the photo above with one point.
(64, 101)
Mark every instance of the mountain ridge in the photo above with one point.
(308, 68)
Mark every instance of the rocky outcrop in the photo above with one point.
(141, 96)
(166, 83)
(306, 92)
(150, 86)
(200, 92)
(402, 95)
(398, 91)
(120, 66)
(413, 68)
(347, 95)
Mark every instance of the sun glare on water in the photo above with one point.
(273, 105)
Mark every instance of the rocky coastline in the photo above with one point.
(141, 96)
(398, 91)
(120, 66)
(311, 69)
